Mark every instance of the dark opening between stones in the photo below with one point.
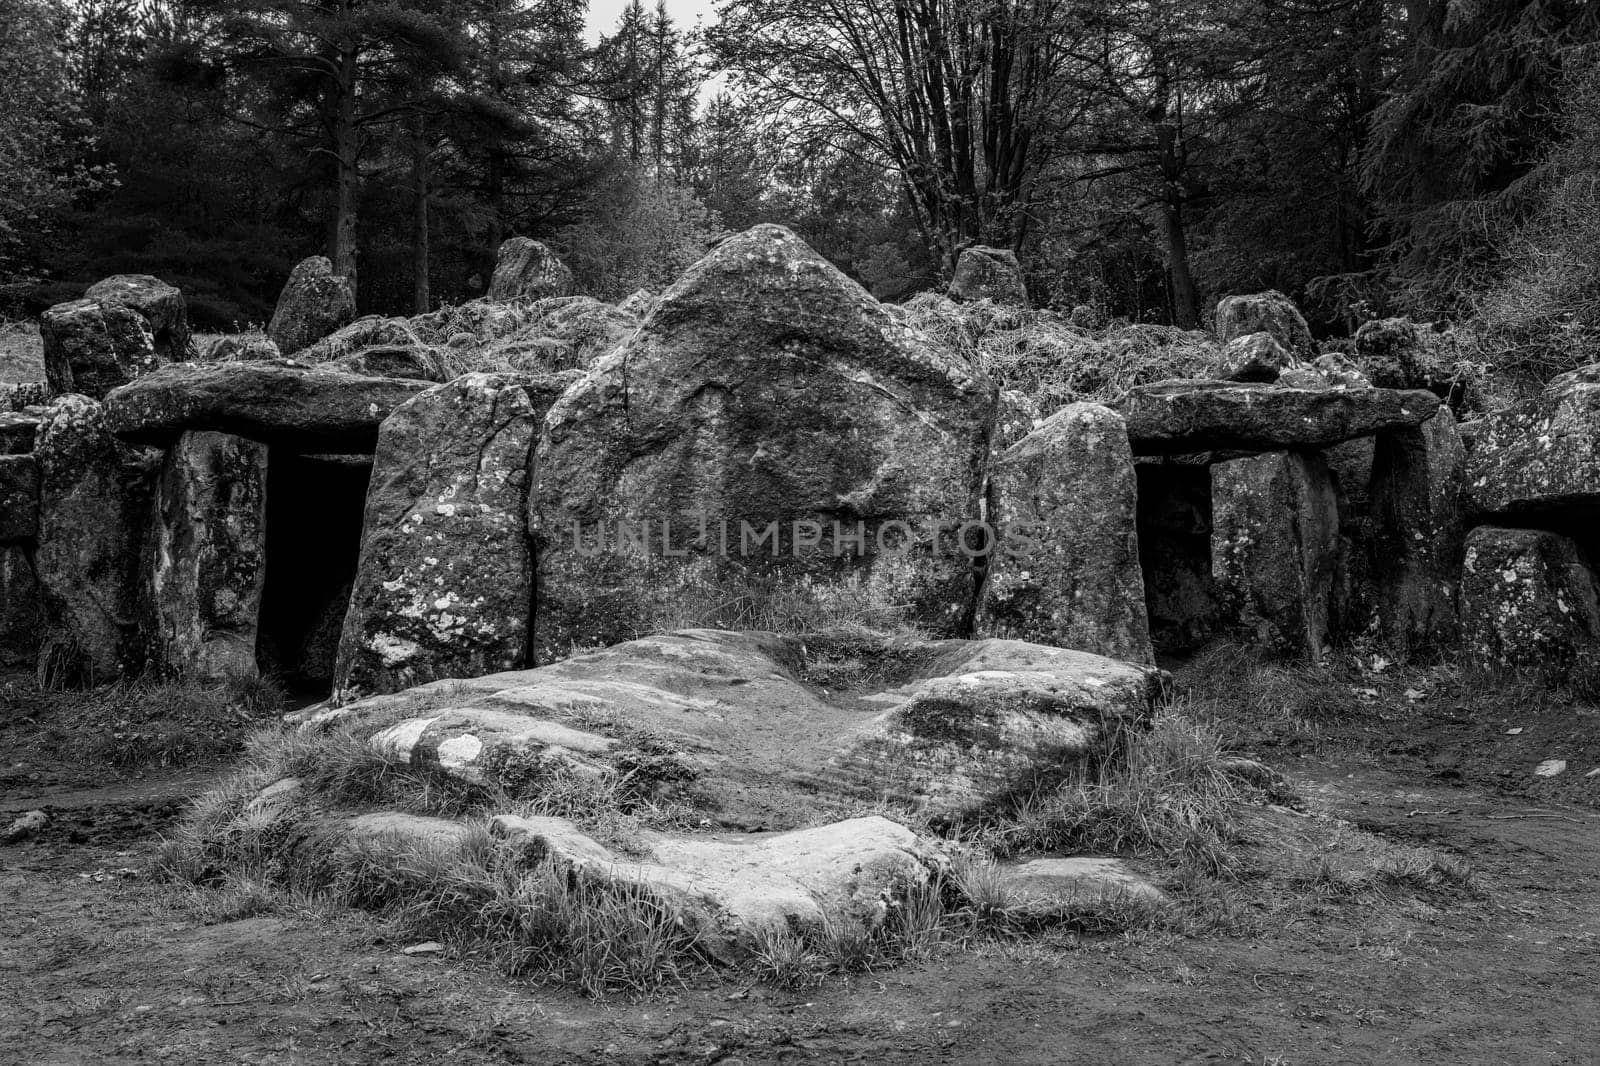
(1174, 524)
(314, 509)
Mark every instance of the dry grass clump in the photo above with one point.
(1055, 362)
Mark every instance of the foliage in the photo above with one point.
(648, 232)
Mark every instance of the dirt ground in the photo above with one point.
(100, 963)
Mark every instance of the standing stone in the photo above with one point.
(1539, 461)
(527, 268)
(94, 508)
(1065, 569)
(1264, 312)
(162, 306)
(21, 609)
(1417, 534)
(769, 436)
(208, 556)
(445, 583)
(1275, 550)
(315, 301)
(19, 499)
(91, 348)
(989, 274)
(1528, 605)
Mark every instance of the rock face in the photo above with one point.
(162, 306)
(91, 348)
(310, 409)
(314, 302)
(770, 428)
(21, 608)
(19, 498)
(445, 583)
(989, 274)
(526, 268)
(1540, 459)
(1276, 550)
(94, 507)
(1065, 569)
(1179, 417)
(1417, 531)
(736, 721)
(1256, 357)
(1264, 312)
(207, 556)
(1389, 353)
(1528, 605)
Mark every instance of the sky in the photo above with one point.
(603, 14)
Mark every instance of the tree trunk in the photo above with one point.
(1185, 301)
(419, 218)
(345, 148)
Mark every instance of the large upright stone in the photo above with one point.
(769, 433)
(1275, 550)
(1529, 606)
(306, 409)
(1540, 460)
(445, 583)
(314, 302)
(1183, 417)
(94, 508)
(1264, 312)
(989, 274)
(526, 268)
(207, 556)
(91, 348)
(162, 306)
(1065, 569)
(1416, 534)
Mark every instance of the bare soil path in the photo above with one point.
(98, 964)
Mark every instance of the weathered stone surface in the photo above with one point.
(1056, 887)
(162, 306)
(19, 498)
(445, 583)
(91, 348)
(314, 302)
(1540, 459)
(1175, 417)
(416, 363)
(989, 274)
(638, 303)
(1389, 352)
(1416, 534)
(19, 430)
(207, 556)
(1256, 357)
(526, 268)
(1528, 605)
(240, 348)
(732, 889)
(311, 409)
(1065, 568)
(993, 722)
(1174, 525)
(94, 508)
(1015, 416)
(744, 720)
(1276, 550)
(768, 395)
(1264, 312)
(21, 608)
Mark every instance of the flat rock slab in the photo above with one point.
(738, 723)
(316, 409)
(1176, 417)
(1057, 887)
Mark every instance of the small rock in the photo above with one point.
(1550, 768)
(1513, 732)
(1593, 773)
(26, 826)
(427, 947)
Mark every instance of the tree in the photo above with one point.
(965, 99)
